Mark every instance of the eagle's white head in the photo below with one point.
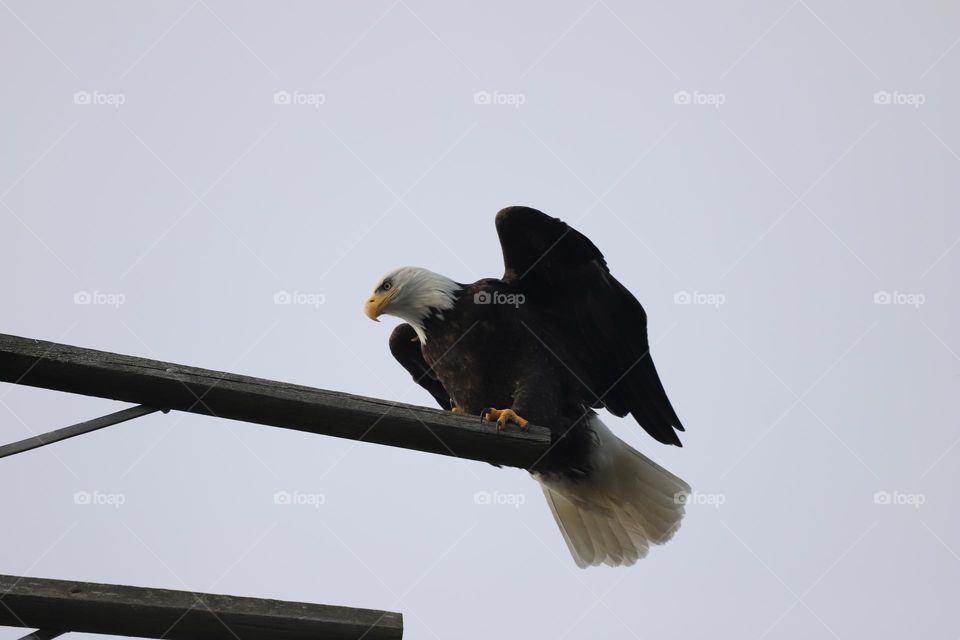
(412, 294)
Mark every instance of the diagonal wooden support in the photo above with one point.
(74, 430)
(43, 634)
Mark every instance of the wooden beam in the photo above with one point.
(182, 388)
(61, 605)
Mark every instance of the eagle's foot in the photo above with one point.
(502, 417)
(455, 409)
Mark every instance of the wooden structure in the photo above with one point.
(54, 607)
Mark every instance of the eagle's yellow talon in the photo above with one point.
(455, 409)
(503, 417)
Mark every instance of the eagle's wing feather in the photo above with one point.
(405, 347)
(560, 270)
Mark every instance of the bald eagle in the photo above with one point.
(551, 341)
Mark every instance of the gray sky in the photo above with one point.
(780, 192)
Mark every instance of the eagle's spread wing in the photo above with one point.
(562, 272)
(405, 347)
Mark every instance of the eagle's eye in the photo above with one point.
(386, 285)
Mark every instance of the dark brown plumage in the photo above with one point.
(553, 339)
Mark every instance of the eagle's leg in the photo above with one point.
(502, 417)
(455, 408)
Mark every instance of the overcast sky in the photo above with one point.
(786, 169)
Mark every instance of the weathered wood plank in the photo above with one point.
(181, 615)
(183, 388)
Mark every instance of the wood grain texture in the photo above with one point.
(178, 387)
(56, 605)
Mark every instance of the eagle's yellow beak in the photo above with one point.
(375, 305)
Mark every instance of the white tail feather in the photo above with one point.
(627, 503)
